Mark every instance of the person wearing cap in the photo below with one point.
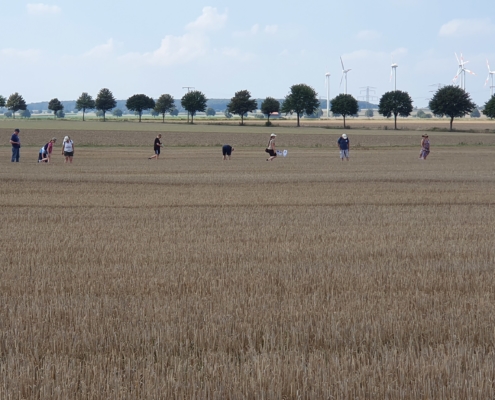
(227, 150)
(425, 147)
(271, 149)
(68, 149)
(156, 147)
(16, 146)
(344, 147)
(45, 153)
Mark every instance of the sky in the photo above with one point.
(61, 48)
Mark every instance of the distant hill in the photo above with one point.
(218, 105)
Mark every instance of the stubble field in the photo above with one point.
(191, 277)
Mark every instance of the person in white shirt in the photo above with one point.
(68, 149)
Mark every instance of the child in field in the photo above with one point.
(227, 150)
(68, 149)
(425, 147)
(156, 147)
(271, 149)
(45, 153)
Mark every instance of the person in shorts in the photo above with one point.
(156, 147)
(16, 146)
(271, 149)
(344, 147)
(227, 150)
(425, 147)
(45, 153)
(68, 149)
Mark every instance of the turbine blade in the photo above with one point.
(487, 79)
(458, 62)
(342, 62)
(470, 72)
(341, 79)
(488, 65)
(391, 73)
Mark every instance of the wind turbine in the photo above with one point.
(327, 85)
(461, 72)
(490, 75)
(344, 74)
(393, 72)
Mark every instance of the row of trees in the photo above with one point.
(450, 101)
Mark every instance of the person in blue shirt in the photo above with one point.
(227, 150)
(16, 145)
(344, 147)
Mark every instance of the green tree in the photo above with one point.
(105, 102)
(369, 113)
(173, 112)
(117, 112)
(3, 100)
(451, 101)
(138, 103)
(154, 113)
(8, 114)
(489, 109)
(344, 104)
(475, 113)
(193, 102)
(395, 103)
(241, 104)
(25, 113)
(420, 114)
(270, 106)
(301, 99)
(227, 114)
(85, 102)
(164, 104)
(55, 105)
(210, 112)
(15, 103)
(60, 114)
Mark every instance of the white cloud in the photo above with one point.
(368, 35)
(210, 19)
(42, 9)
(101, 50)
(173, 50)
(251, 32)
(271, 29)
(467, 27)
(25, 55)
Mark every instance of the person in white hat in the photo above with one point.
(344, 147)
(271, 149)
(68, 149)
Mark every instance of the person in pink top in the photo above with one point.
(46, 151)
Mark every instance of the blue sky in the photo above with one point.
(63, 48)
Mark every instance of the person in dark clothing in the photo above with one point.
(227, 150)
(156, 147)
(16, 146)
(344, 147)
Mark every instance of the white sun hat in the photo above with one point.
(344, 136)
(66, 139)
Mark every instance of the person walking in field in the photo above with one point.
(344, 147)
(156, 147)
(45, 153)
(271, 148)
(425, 147)
(227, 150)
(68, 149)
(15, 141)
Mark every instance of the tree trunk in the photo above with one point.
(192, 118)
(163, 121)
(83, 113)
(298, 119)
(13, 114)
(395, 121)
(344, 119)
(140, 116)
(104, 116)
(268, 119)
(242, 119)
(451, 121)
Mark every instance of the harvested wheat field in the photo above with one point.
(301, 278)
